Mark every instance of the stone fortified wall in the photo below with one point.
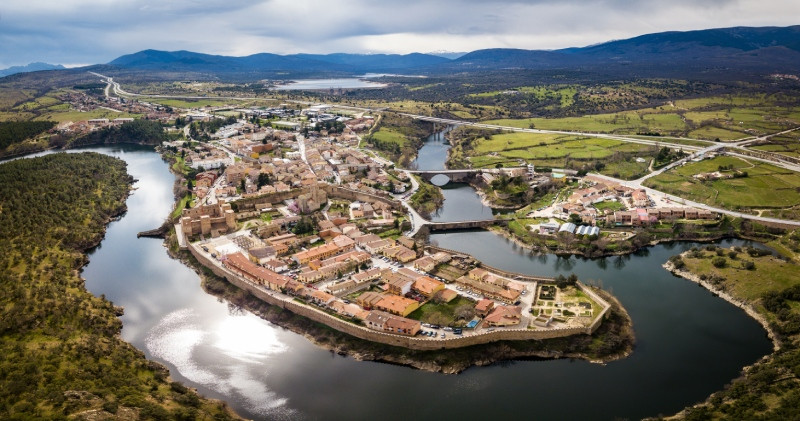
(397, 340)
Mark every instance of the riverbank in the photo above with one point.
(82, 368)
(639, 245)
(615, 334)
(738, 302)
(765, 287)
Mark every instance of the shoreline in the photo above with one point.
(449, 361)
(511, 237)
(744, 305)
(434, 361)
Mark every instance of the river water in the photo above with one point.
(689, 342)
(461, 202)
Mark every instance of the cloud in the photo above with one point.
(97, 31)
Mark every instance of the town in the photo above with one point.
(317, 225)
(283, 201)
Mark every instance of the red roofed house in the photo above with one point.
(504, 316)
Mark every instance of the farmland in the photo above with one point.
(561, 151)
(765, 186)
(723, 117)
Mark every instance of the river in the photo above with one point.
(689, 342)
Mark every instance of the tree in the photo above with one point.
(464, 312)
(263, 179)
(719, 262)
(575, 218)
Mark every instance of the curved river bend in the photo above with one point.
(689, 342)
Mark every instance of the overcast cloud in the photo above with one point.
(73, 32)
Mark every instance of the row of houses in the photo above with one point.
(387, 318)
(491, 285)
(640, 216)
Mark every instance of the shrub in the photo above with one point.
(720, 252)
(748, 265)
(732, 254)
(719, 262)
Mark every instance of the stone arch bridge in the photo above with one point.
(425, 227)
(458, 175)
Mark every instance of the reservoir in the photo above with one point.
(315, 84)
(689, 343)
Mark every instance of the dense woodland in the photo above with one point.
(62, 353)
(140, 131)
(12, 132)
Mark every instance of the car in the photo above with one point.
(448, 329)
(435, 327)
(346, 301)
(523, 292)
(443, 335)
(457, 331)
(517, 303)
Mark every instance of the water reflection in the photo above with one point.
(689, 342)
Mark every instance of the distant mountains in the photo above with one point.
(33, 67)
(766, 48)
(742, 49)
(187, 61)
(714, 54)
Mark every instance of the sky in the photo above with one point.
(79, 32)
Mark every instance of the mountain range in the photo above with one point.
(713, 53)
(762, 49)
(33, 67)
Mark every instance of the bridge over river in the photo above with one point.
(423, 225)
(460, 175)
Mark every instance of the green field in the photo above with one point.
(787, 144)
(609, 204)
(83, 116)
(388, 135)
(532, 146)
(442, 314)
(564, 94)
(726, 118)
(771, 273)
(191, 103)
(556, 151)
(766, 186)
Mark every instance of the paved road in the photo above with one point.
(729, 145)
(679, 200)
(697, 150)
(660, 142)
(119, 91)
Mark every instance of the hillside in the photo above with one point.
(61, 346)
(718, 53)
